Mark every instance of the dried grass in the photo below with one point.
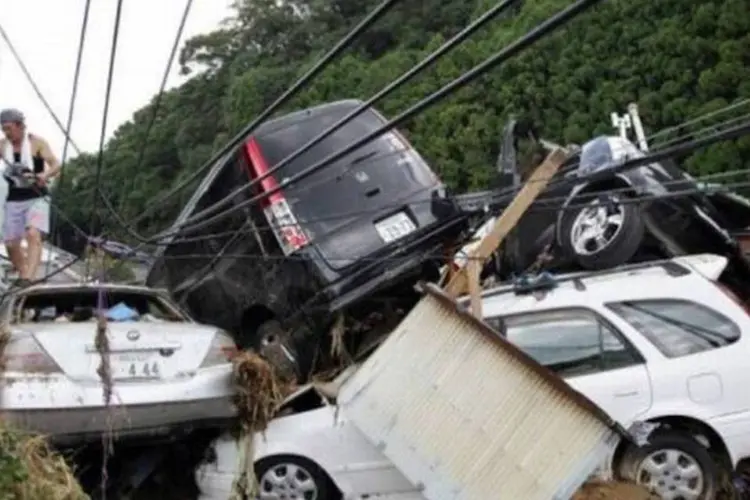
(38, 472)
(259, 391)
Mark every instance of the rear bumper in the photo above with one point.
(72, 411)
(385, 269)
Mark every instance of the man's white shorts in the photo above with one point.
(20, 215)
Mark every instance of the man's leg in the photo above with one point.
(37, 224)
(14, 224)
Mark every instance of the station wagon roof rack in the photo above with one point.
(546, 281)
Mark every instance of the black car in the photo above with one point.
(635, 214)
(353, 237)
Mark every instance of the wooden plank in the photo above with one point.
(508, 219)
(473, 269)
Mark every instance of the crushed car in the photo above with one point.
(352, 238)
(167, 373)
(635, 214)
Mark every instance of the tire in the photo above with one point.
(620, 246)
(312, 482)
(636, 462)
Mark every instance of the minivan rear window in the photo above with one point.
(357, 185)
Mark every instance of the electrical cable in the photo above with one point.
(71, 110)
(105, 114)
(539, 31)
(699, 118)
(156, 107)
(317, 68)
(35, 87)
(706, 129)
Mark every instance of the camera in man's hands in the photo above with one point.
(20, 175)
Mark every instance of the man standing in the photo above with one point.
(29, 164)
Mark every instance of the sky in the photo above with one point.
(46, 34)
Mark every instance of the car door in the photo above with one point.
(589, 353)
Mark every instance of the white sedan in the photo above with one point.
(166, 370)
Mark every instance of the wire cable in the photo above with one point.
(34, 86)
(156, 108)
(700, 118)
(317, 68)
(543, 29)
(105, 114)
(71, 111)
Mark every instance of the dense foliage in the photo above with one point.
(677, 59)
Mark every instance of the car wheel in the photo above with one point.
(601, 234)
(293, 478)
(673, 465)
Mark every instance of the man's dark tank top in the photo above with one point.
(27, 193)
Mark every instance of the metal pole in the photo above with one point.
(640, 135)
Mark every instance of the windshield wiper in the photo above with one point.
(714, 338)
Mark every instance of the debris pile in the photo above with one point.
(601, 490)
(259, 391)
(30, 470)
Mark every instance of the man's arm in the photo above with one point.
(53, 164)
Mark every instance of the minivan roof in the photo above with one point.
(283, 120)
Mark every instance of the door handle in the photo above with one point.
(626, 394)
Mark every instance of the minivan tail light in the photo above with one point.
(277, 210)
(23, 354)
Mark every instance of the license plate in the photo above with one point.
(395, 227)
(135, 366)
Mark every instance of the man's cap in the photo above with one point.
(11, 115)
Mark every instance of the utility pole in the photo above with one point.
(640, 135)
(621, 123)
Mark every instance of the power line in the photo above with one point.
(700, 118)
(322, 63)
(71, 110)
(34, 86)
(154, 114)
(105, 113)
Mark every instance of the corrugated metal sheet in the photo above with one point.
(465, 415)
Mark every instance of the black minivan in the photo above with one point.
(354, 237)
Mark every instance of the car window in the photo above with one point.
(678, 327)
(569, 342)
